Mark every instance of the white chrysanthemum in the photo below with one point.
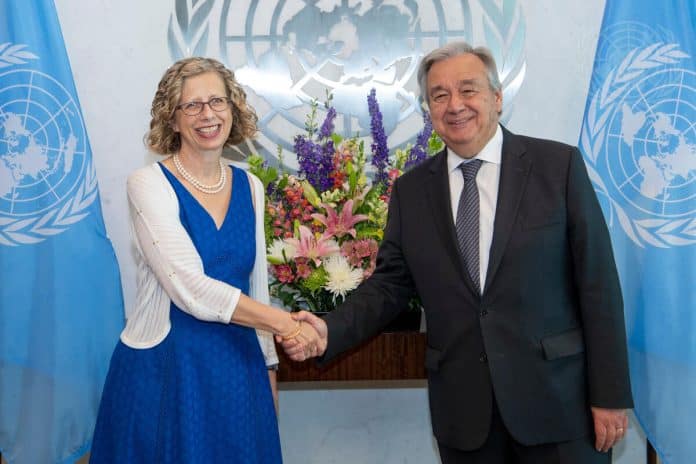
(276, 250)
(342, 277)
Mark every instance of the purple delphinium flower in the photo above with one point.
(380, 152)
(315, 161)
(419, 151)
(327, 127)
(327, 165)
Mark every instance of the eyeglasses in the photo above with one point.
(195, 107)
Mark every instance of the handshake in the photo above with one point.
(307, 340)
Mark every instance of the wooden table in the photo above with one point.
(388, 356)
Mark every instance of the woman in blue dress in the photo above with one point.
(192, 379)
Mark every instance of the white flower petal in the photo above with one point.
(276, 249)
(342, 277)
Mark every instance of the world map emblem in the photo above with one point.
(47, 179)
(640, 140)
(289, 53)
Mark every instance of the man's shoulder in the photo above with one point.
(537, 146)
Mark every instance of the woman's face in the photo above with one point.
(208, 130)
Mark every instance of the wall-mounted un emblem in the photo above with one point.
(46, 181)
(288, 53)
(640, 139)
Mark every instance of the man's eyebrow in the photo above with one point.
(436, 88)
(459, 84)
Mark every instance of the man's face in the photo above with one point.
(463, 107)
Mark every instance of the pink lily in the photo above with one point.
(339, 225)
(310, 247)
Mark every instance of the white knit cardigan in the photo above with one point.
(170, 269)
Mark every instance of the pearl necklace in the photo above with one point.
(198, 185)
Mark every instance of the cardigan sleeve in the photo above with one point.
(169, 252)
(258, 285)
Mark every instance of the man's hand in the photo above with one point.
(313, 340)
(610, 427)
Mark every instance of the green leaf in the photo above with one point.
(316, 280)
(353, 181)
(255, 164)
(310, 194)
(257, 167)
(368, 232)
(311, 121)
(435, 144)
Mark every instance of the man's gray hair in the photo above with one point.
(451, 50)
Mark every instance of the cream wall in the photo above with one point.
(118, 51)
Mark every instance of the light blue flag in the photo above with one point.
(639, 142)
(60, 293)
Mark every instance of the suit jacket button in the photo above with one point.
(484, 313)
(483, 358)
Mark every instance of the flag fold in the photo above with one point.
(61, 305)
(639, 142)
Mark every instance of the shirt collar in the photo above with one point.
(491, 153)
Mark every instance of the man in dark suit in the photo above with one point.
(511, 258)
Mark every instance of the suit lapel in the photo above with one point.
(438, 195)
(514, 170)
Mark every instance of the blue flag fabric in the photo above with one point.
(61, 306)
(639, 142)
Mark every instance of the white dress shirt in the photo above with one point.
(487, 182)
(169, 267)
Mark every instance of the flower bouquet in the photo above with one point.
(323, 226)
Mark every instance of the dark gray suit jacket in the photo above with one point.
(547, 335)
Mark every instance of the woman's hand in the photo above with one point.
(309, 341)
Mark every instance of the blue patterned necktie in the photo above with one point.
(468, 221)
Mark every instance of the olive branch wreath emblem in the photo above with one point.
(503, 26)
(189, 30)
(15, 231)
(504, 30)
(661, 233)
(189, 27)
(14, 54)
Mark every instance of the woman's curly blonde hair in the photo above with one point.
(161, 138)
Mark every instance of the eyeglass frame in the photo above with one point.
(201, 105)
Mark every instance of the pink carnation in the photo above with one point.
(283, 273)
(303, 268)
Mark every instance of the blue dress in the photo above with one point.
(202, 395)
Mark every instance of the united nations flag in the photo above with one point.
(60, 298)
(639, 142)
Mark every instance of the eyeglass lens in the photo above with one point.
(193, 108)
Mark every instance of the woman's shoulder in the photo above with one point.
(147, 179)
(147, 172)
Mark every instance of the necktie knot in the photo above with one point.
(470, 169)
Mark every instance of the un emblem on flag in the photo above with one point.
(47, 179)
(640, 140)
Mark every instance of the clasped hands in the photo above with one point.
(307, 340)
